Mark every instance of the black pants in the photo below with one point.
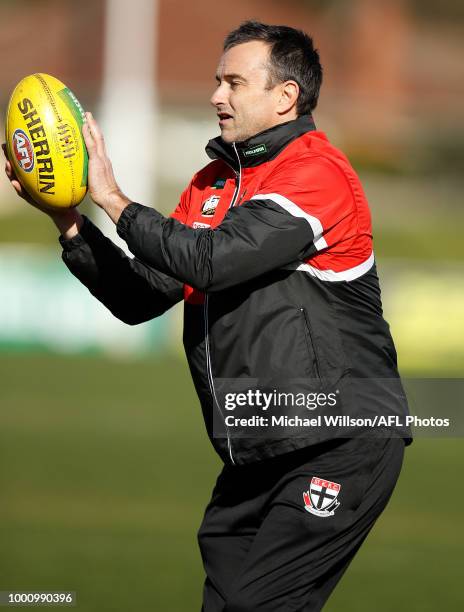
(278, 535)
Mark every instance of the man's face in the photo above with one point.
(244, 103)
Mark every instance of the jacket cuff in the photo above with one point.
(126, 218)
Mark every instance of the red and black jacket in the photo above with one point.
(271, 249)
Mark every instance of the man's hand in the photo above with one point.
(68, 220)
(103, 188)
(14, 180)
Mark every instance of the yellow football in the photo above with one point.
(44, 141)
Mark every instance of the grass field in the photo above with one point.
(106, 470)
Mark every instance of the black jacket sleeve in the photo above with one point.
(253, 239)
(130, 289)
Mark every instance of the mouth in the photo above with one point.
(224, 118)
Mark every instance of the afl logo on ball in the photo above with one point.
(23, 150)
(209, 206)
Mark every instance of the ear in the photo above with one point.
(289, 92)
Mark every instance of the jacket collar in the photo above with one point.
(262, 147)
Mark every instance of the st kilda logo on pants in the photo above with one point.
(321, 499)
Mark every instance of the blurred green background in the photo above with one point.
(105, 468)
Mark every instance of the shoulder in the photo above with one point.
(306, 172)
(310, 164)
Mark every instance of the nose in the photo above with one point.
(219, 96)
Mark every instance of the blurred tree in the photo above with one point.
(430, 10)
(444, 10)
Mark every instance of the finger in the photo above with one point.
(17, 185)
(22, 192)
(88, 139)
(96, 134)
(9, 170)
(19, 189)
(8, 166)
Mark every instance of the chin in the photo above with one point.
(228, 138)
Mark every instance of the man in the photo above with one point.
(271, 249)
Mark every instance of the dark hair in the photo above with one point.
(293, 57)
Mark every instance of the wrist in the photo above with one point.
(68, 222)
(114, 204)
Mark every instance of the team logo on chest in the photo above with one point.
(321, 499)
(208, 208)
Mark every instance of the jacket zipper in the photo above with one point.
(239, 176)
(205, 313)
(311, 339)
(210, 375)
